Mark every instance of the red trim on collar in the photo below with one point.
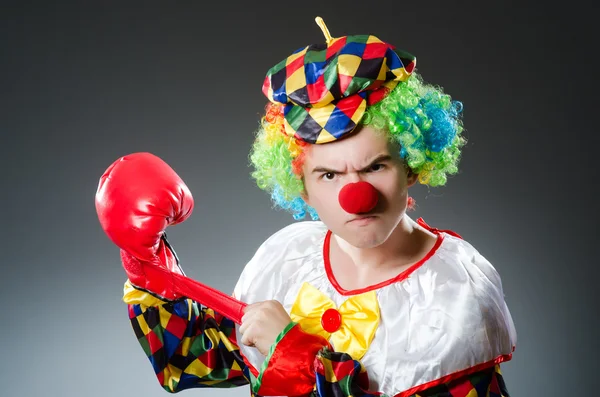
(402, 276)
(422, 223)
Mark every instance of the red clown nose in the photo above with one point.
(357, 198)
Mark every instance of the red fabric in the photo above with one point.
(377, 95)
(335, 47)
(421, 222)
(290, 371)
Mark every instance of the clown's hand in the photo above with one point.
(138, 197)
(262, 323)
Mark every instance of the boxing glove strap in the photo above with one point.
(182, 285)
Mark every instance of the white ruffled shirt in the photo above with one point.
(447, 316)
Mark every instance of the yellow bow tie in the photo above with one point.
(350, 328)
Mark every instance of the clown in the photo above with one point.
(360, 300)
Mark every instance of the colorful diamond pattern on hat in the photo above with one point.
(325, 88)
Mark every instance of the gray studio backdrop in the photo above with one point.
(83, 84)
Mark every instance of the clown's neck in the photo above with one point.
(407, 244)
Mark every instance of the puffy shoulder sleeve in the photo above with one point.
(277, 259)
(486, 284)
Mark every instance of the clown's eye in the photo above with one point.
(328, 176)
(377, 167)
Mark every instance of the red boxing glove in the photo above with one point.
(138, 197)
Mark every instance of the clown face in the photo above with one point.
(365, 156)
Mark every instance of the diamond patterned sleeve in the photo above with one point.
(189, 346)
(337, 374)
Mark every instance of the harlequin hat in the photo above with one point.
(326, 88)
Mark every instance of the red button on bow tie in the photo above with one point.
(331, 320)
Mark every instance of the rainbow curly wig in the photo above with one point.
(420, 117)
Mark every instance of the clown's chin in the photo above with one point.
(366, 233)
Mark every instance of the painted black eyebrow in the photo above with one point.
(378, 159)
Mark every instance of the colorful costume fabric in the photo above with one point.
(439, 327)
